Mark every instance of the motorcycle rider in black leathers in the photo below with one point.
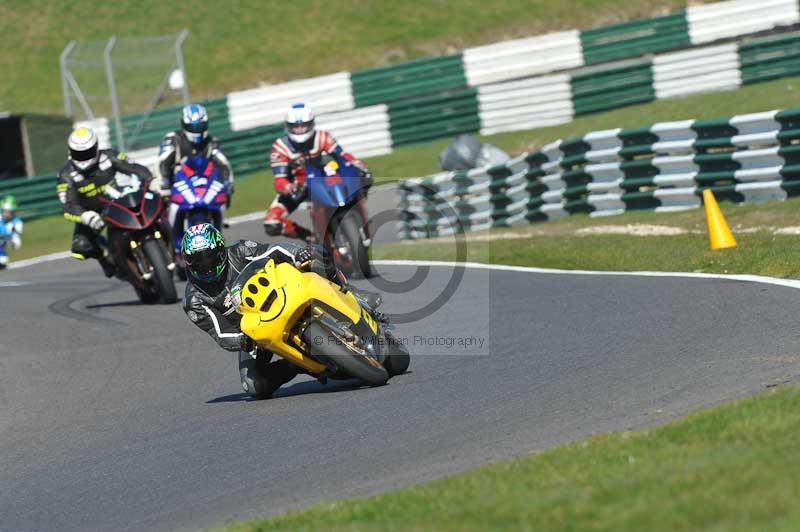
(89, 174)
(213, 268)
(191, 139)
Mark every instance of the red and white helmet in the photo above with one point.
(300, 123)
(83, 148)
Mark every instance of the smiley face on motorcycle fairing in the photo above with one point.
(258, 294)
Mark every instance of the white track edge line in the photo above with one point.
(24, 263)
(763, 279)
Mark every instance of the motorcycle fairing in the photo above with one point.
(328, 191)
(273, 297)
(133, 211)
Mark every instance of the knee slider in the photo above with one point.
(273, 228)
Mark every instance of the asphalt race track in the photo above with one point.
(117, 416)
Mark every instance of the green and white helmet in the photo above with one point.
(203, 249)
(9, 203)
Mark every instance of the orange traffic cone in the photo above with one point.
(719, 234)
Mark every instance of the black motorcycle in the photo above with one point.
(139, 243)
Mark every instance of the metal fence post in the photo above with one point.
(62, 61)
(179, 56)
(112, 90)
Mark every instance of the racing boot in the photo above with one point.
(260, 377)
(274, 220)
(108, 269)
(108, 263)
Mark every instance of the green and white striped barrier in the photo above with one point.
(550, 99)
(512, 85)
(662, 167)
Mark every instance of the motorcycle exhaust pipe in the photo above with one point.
(332, 324)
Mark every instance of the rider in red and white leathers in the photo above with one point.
(302, 145)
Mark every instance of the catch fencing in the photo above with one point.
(513, 85)
(542, 80)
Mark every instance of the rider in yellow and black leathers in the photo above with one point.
(81, 183)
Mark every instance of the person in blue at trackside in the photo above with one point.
(10, 228)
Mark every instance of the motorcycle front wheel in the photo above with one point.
(162, 276)
(350, 228)
(332, 350)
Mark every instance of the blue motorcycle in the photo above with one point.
(339, 214)
(198, 196)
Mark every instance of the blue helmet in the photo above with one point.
(203, 249)
(194, 122)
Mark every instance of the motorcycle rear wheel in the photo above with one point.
(329, 348)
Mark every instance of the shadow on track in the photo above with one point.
(300, 388)
(130, 303)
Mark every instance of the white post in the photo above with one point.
(179, 55)
(62, 61)
(112, 90)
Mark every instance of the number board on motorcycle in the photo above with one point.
(373, 325)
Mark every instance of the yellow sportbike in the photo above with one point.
(312, 323)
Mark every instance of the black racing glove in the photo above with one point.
(320, 258)
(368, 180)
(331, 272)
(307, 254)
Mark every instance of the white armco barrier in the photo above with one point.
(268, 105)
(708, 69)
(364, 131)
(147, 157)
(523, 57)
(525, 104)
(711, 22)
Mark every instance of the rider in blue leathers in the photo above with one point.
(10, 228)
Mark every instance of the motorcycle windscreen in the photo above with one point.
(151, 208)
(117, 214)
(336, 190)
(350, 182)
(318, 192)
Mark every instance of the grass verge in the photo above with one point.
(581, 242)
(251, 42)
(731, 468)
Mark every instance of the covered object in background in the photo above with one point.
(467, 152)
